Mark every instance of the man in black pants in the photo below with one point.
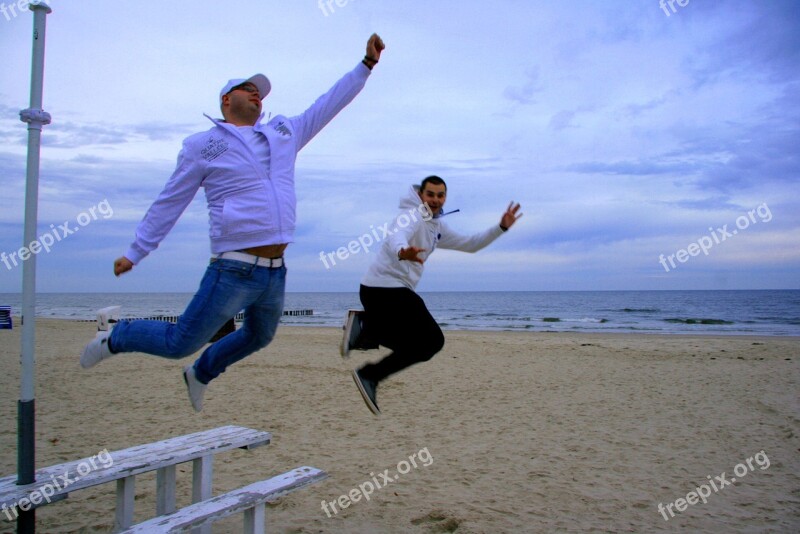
(394, 315)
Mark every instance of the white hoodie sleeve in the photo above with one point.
(387, 270)
(311, 121)
(168, 207)
(401, 235)
(455, 241)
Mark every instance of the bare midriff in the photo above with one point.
(267, 251)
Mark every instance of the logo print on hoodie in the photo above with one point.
(282, 129)
(214, 148)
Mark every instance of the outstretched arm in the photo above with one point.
(474, 243)
(165, 211)
(311, 121)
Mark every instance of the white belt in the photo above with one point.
(250, 258)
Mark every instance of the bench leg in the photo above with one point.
(202, 472)
(126, 491)
(165, 490)
(254, 520)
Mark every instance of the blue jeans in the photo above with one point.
(228, 287)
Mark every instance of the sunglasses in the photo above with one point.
(246, 87)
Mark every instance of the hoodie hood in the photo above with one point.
(412, 200)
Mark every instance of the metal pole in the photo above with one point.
(36, 118)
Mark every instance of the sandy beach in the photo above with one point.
(510, 432)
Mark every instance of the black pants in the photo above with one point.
(397, 318)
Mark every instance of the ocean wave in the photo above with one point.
(677, 320)
(587, 320)
(574, 320)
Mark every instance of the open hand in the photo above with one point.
(510, 216)
(411, 254)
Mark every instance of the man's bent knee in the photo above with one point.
(432, 347)
(183, 345)
(259, 340)
(182, 351)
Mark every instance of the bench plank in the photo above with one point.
(236, 501)
(132, 461)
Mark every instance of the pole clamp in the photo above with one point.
(34, 116)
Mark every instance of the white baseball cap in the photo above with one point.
(259, 80)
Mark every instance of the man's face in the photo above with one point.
(244, 102)
(434, 195)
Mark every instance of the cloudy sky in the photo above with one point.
(629, 132)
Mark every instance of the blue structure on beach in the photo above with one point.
(5, 318)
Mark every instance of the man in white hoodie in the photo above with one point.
(394, 315)
(246, 167)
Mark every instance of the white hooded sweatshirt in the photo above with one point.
(414, 227)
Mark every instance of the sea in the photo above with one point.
(729, 312)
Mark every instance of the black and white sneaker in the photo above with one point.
(353, 337)
(367, 388)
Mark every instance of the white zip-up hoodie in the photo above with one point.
(248, 205)
(416, 228)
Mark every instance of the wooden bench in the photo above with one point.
(249, 499)
(162, 457)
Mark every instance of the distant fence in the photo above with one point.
(239, 317)
(285, 312)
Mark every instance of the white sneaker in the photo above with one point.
(96, 351)
(196, 388)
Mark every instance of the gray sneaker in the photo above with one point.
(96, 351)
(353, 337)
(367, 389)
(196, 388)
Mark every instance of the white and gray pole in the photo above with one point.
(26, 413)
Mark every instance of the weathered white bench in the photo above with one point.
(162, 457)
(249, 499)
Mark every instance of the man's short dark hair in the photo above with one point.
(433, 179)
